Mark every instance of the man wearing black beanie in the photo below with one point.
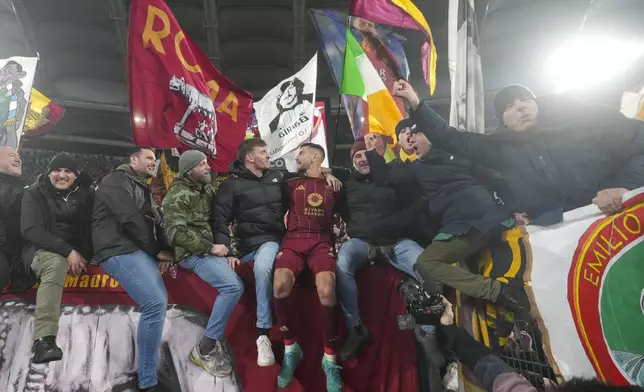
(55, 222)
(555, 153)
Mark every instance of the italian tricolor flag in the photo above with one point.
(361, 79)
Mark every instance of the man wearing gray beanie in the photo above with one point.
(187, 212)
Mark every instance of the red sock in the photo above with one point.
(286, 319)
(330, 329)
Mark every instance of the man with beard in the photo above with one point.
(555, 153)
(291, 104)
(55, 222)
(308, 243)
(186, 210)
(251, 200)
(11, 189)
(376, 220)
(131, 245)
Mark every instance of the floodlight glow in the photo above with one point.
(585, 61)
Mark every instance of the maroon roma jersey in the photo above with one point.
(310, 208)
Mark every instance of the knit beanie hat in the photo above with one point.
(63, 161)
(189, 159)
(405, 123)
(358, 145)
(507, 95)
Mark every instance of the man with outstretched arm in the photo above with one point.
(555, 153)
(308, 243)
(186, 210)
(468, 215)
(130, 244)
(55, 221)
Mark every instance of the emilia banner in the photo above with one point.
(587, 281)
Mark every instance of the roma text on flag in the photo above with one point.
(178, 99)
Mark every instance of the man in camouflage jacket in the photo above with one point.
(187, 212)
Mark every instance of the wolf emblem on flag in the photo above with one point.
(202, 137)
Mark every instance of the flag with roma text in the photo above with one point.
(178, 99)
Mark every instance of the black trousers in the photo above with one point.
(5, 270)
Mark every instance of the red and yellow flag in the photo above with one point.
(42, 115)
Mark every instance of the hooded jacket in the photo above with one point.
(126, 218)
(575, 151)
(254, 205)
(56, 221)
(186, 210)
(11, 190)
(456, 198)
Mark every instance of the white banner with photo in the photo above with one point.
(285, 114)
(16, 79)
(587, 281)
(465, 71)
(318, 136)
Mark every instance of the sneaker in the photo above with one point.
(265, 356)
(508, 299)
(46, 350)
(450, 381)
(217, 362)
(291, 360)
(353, 343)
(333, 379)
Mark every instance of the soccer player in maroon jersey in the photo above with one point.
(308, 243)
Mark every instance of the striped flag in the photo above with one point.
(42, 115)
(360, 78)
(402, 13)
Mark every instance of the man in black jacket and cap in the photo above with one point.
(55, 221)
(377, 221)
(132, 247)
(469, 216)
(554, 153)
(11, 188)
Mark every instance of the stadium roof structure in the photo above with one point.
(257, 43)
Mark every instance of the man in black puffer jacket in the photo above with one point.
(11, 188)
(55, 222)
(251, 200)
(377, 220)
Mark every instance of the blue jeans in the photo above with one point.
(216, 272)
(264, 258)
(139, 275)
(353, 254)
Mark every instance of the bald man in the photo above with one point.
(11, 188)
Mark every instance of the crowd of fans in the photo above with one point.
(419, 212)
